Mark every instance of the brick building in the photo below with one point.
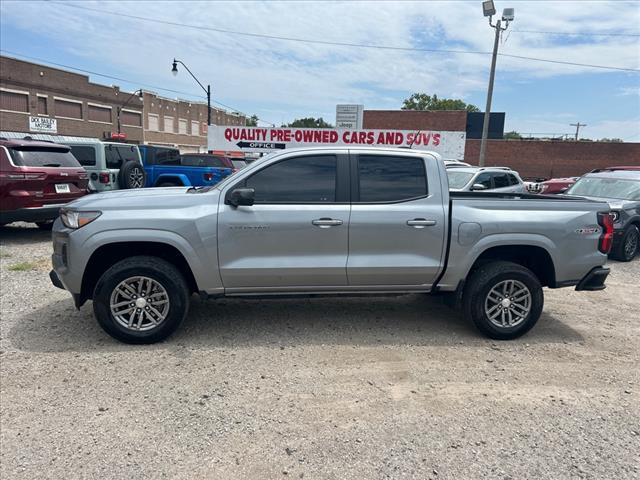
(531, 158)
(40, 99)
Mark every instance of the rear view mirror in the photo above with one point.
(478, 186)
(241, 196)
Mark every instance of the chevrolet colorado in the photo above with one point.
(326, 221)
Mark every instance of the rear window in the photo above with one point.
(84, 154)
(202, 161)
(43, 157)
(118, 155)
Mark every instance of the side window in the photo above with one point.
(112, 159)
(167, 157)
(513, 180)
(391, 179)
(483, 179)
(86, 156)
(500, 180)
(309, 179)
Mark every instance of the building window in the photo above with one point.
(42, 106)
(67, 109)
(99, 114)
(14, 101)
(195, 126)
(182, 126)
(154, 123)
(132, 119)
(168, 124)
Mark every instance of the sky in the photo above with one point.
(282, 80)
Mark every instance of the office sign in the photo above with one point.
(43, 125)
(257, 139)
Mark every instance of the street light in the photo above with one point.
(119, 109)
(174, 71)
(508, 14)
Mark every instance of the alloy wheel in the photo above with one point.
(508, 303)
(139, 303)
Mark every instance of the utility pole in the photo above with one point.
(507, 16)
(578, 125)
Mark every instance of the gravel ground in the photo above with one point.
(320, 389)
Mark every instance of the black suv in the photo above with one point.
(620, 187)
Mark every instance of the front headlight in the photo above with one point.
(74, 219)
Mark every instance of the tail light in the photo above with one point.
(104, 177)
(208, 177)
(25, 176)
(605, 220)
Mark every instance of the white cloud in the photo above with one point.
(271, 76)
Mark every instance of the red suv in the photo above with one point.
(36, 179)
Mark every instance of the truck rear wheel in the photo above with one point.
(503, 299)
(141, 300)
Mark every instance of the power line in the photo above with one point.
(120, 79)
(586, 34)
(341, 44)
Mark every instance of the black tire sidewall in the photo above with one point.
(631, 230)
(162, 272)
(474, 304)
(123, 175)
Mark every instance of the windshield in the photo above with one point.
(43, 157)
(239, 164)
(458, 179)
(617, 188)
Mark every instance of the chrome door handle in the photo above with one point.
(326, 222)
(421, 223)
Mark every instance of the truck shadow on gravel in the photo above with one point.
(22, 233)
(417, 320)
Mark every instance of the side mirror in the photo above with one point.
(478, 186)
(242, 196)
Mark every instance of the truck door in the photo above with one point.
(397, 227)
(296, 233)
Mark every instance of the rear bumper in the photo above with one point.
(31, 214)
(594, 280)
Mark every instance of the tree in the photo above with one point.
(309, 122)
(611, 140)
(422, 101)
(512, 135)
(252, 121)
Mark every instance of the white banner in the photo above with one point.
(257, 139)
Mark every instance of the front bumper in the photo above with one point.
(594, 280)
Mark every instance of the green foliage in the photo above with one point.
(252, 121)
(512, 135)
(422, 101)
(309, 122)
(611, 140)
(22, 267)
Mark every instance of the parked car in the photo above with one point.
(110, 165)
(326, 221)
(494, 179)
(455, 163)
(165, 167)
(210, 160)
(621, 189)
(556, 185)
(36, 179)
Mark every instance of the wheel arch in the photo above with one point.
(179, 179)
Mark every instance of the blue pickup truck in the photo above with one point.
(165, 168)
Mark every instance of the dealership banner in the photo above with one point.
(257, 139)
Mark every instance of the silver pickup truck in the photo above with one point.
(326, 222)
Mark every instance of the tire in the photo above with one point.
(46, 226)
(628, 247)
(132, 175)
(168, 316)
(478, 300)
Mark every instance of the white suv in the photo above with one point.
(493, 179)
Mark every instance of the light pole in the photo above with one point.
(140, 96)
(489, 10)
(174, 70)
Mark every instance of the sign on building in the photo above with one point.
(257, 139)
(43, 125)
(349, 116)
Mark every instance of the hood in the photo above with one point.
(616, 203)
(143, 198)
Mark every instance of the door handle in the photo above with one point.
(421, 223)
(326, 222)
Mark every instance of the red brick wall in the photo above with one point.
(536, 158)
(453, 120)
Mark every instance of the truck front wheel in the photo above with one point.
(141, 300)
(503, 299)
